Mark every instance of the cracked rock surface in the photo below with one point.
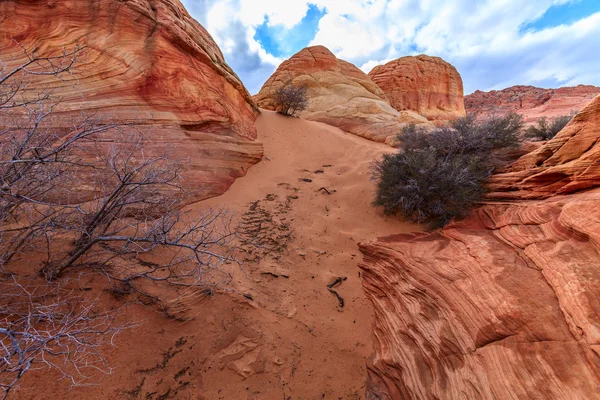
(426, 85)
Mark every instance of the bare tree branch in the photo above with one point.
(50, 327)
(127, 225)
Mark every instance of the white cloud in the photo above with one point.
(369, 65)
(233, 23)
(483, 39)
(286, 13)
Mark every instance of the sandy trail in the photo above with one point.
(293, 340)
(330, 359)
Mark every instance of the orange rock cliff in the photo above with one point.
(531, 102)
(426, 85)
(506, 303)
(147, 63)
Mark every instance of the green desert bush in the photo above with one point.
(439, 175)
(546, 130)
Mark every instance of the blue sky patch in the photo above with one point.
(564, 14)
(504, 55)
(282, 42)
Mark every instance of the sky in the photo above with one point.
(494, 44)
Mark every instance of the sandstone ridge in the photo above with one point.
(569, 162)
(531, 102)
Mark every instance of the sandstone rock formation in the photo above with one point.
(150, 64)
(531, 102)
(506, 303)
(426, 85)
(570, 162)
(339, 94)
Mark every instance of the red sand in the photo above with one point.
(292, 341)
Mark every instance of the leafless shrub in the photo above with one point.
(290, 99)
(88, 196)
(136, 217)
(14, 81)
(41, 325)
(51, 327)
(136, 205)
(37, 171)
(35, 158)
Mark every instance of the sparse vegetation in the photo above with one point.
(546, 129)
(439, 175)
(86, 199)
(290, 99)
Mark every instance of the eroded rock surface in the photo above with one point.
(531, 102)
(426, 85)
(339, 94)
(504, 304)
(147, 63)
(567, 163)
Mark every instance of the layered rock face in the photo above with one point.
(426, 85)
(568, 163)
(149, 64)
(339, 94)
(531, 102)
(505, 304)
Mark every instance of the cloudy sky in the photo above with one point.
(493, 43)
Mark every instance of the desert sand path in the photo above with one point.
(330, 359)
(292, 340)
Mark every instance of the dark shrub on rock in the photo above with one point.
(440, 175)
(546, 130)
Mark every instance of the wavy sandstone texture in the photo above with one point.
(530, 101)
(426, 85)
(339, 94)
(149, 63)
(570, 162)
(503, 305)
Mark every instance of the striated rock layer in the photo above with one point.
(147, 63)
(531, 102)
(503, 305)
(339, 94)
(426, 85)
(567, 163)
